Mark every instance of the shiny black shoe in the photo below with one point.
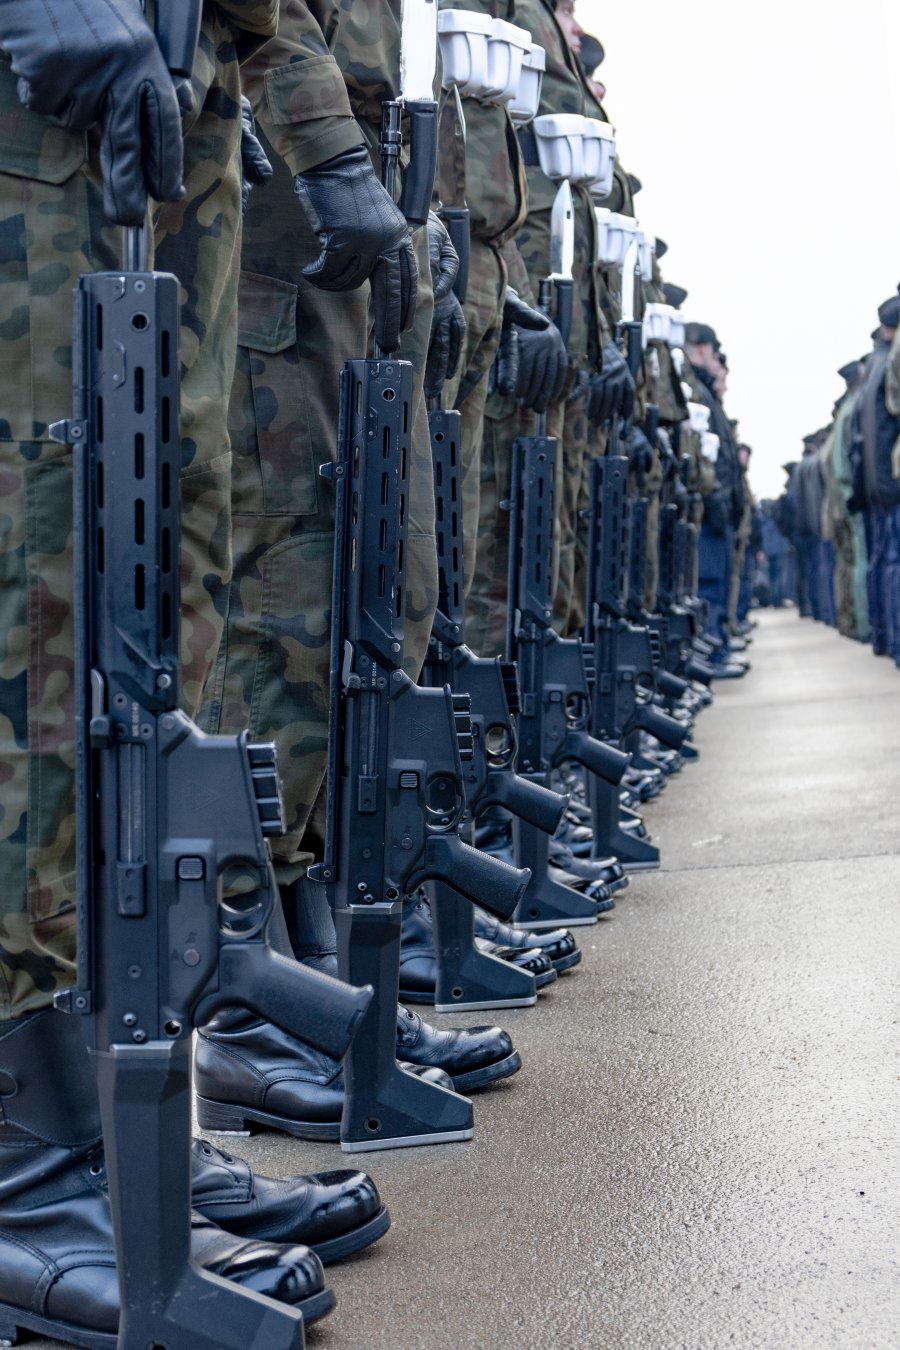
(526, 958)
(608, 871)
(557, 944)
(474, 1057)
(332, 1213)
(57, 1259)
(418, 955)
(248, 1072)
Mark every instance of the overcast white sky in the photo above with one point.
(767, 137)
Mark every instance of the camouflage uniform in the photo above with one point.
(492, 178)
(848, 529)
(54, 230)
(273, 668)
(563, 90)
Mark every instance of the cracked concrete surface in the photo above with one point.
(701, 1149)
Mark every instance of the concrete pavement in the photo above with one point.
(701, 1149)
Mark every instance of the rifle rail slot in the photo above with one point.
(139, 389)
(139, 461)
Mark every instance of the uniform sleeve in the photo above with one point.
(298, 93)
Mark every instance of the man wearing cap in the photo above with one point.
(880, 429)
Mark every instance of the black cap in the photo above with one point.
(662, 247)
(675, 295)
(635, 184)
(850, 372)
(700, 334)
(889, 312)
(592, 53)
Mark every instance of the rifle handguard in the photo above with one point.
(305, 1003)
(484, 880)
(597, 757)
(536, 805)
(418, 176)
(659, 724)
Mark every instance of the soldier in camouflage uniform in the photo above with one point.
(563, 90)
(316, 102)
(491, 177)
(118, 135)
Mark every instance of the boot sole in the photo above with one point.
(14, 1321)
(491, 1073)
(224, 1118)
(336, 1248)
(565, 963)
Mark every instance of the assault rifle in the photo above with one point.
(466, 977)
(555, 696)
(162, 812)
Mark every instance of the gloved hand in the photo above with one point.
(504, 373)
(83, 62)
(448, 325)
(639, 451)
(543, 362)
(612, 389)
(363, 235)
(255, 167)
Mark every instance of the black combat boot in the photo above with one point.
(248, 1072)
(418, 955)
(332, 1213)
(557, 944)
(474, 1057)
(57, 1259)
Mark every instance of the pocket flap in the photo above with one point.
(267, 313)
(30, 145)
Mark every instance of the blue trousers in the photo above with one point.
(883, 581)
(714, 556)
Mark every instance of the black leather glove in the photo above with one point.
(639, 451)
(448, 324)
(543, 368)
(503, 375)
(581, 384)
(363, 235)
(84, 62)
(255, 167)
(612, 389)
(543, 362)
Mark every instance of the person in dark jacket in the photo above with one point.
(879, 432)
(722, 509)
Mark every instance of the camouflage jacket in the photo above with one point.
(300, 91)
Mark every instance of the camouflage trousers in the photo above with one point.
(273, 669)
(576, 617)
(53, 230)
(469, 390)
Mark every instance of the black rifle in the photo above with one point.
(555, 696)
(395, 777)
(619, 679)
(467, 977)
(162, 811)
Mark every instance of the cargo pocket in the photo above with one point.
(45, 241)
(275, 467)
